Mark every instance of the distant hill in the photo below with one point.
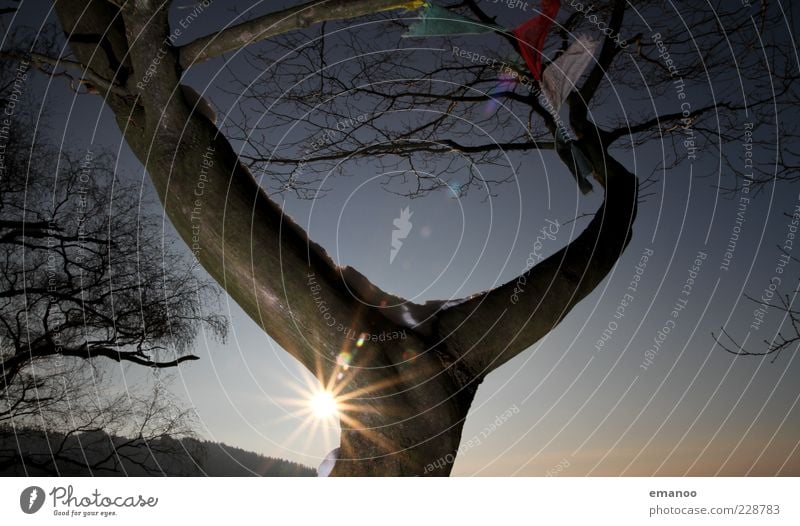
(31, 452)
(222, 460)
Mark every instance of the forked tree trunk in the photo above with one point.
(404, 402)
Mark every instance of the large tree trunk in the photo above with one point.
(404, 401)
(410, 428)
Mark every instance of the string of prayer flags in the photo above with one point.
(533, 33)
(559, 78)
(438, 21)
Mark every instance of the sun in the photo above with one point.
(323, 405)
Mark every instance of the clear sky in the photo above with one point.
(577, 409)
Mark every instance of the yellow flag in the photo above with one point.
(408, 5)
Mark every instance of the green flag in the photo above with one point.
(438, 21)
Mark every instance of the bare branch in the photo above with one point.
(280, 22)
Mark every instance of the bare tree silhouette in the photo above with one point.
(84, 273)
(85, 277)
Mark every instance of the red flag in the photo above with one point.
(533, 33)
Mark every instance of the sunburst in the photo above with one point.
(327, 403)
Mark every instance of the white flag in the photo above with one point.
(326, 467)
(560, 76)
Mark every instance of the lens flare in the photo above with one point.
(344, 359)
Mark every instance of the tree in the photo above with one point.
(402, 406)
(83, 280)
(84, 273)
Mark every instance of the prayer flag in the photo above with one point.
(533, 33)
(560, 76)
(438, 21)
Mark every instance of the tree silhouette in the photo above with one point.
(84, 273)
(403, 405)
(83, 280)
